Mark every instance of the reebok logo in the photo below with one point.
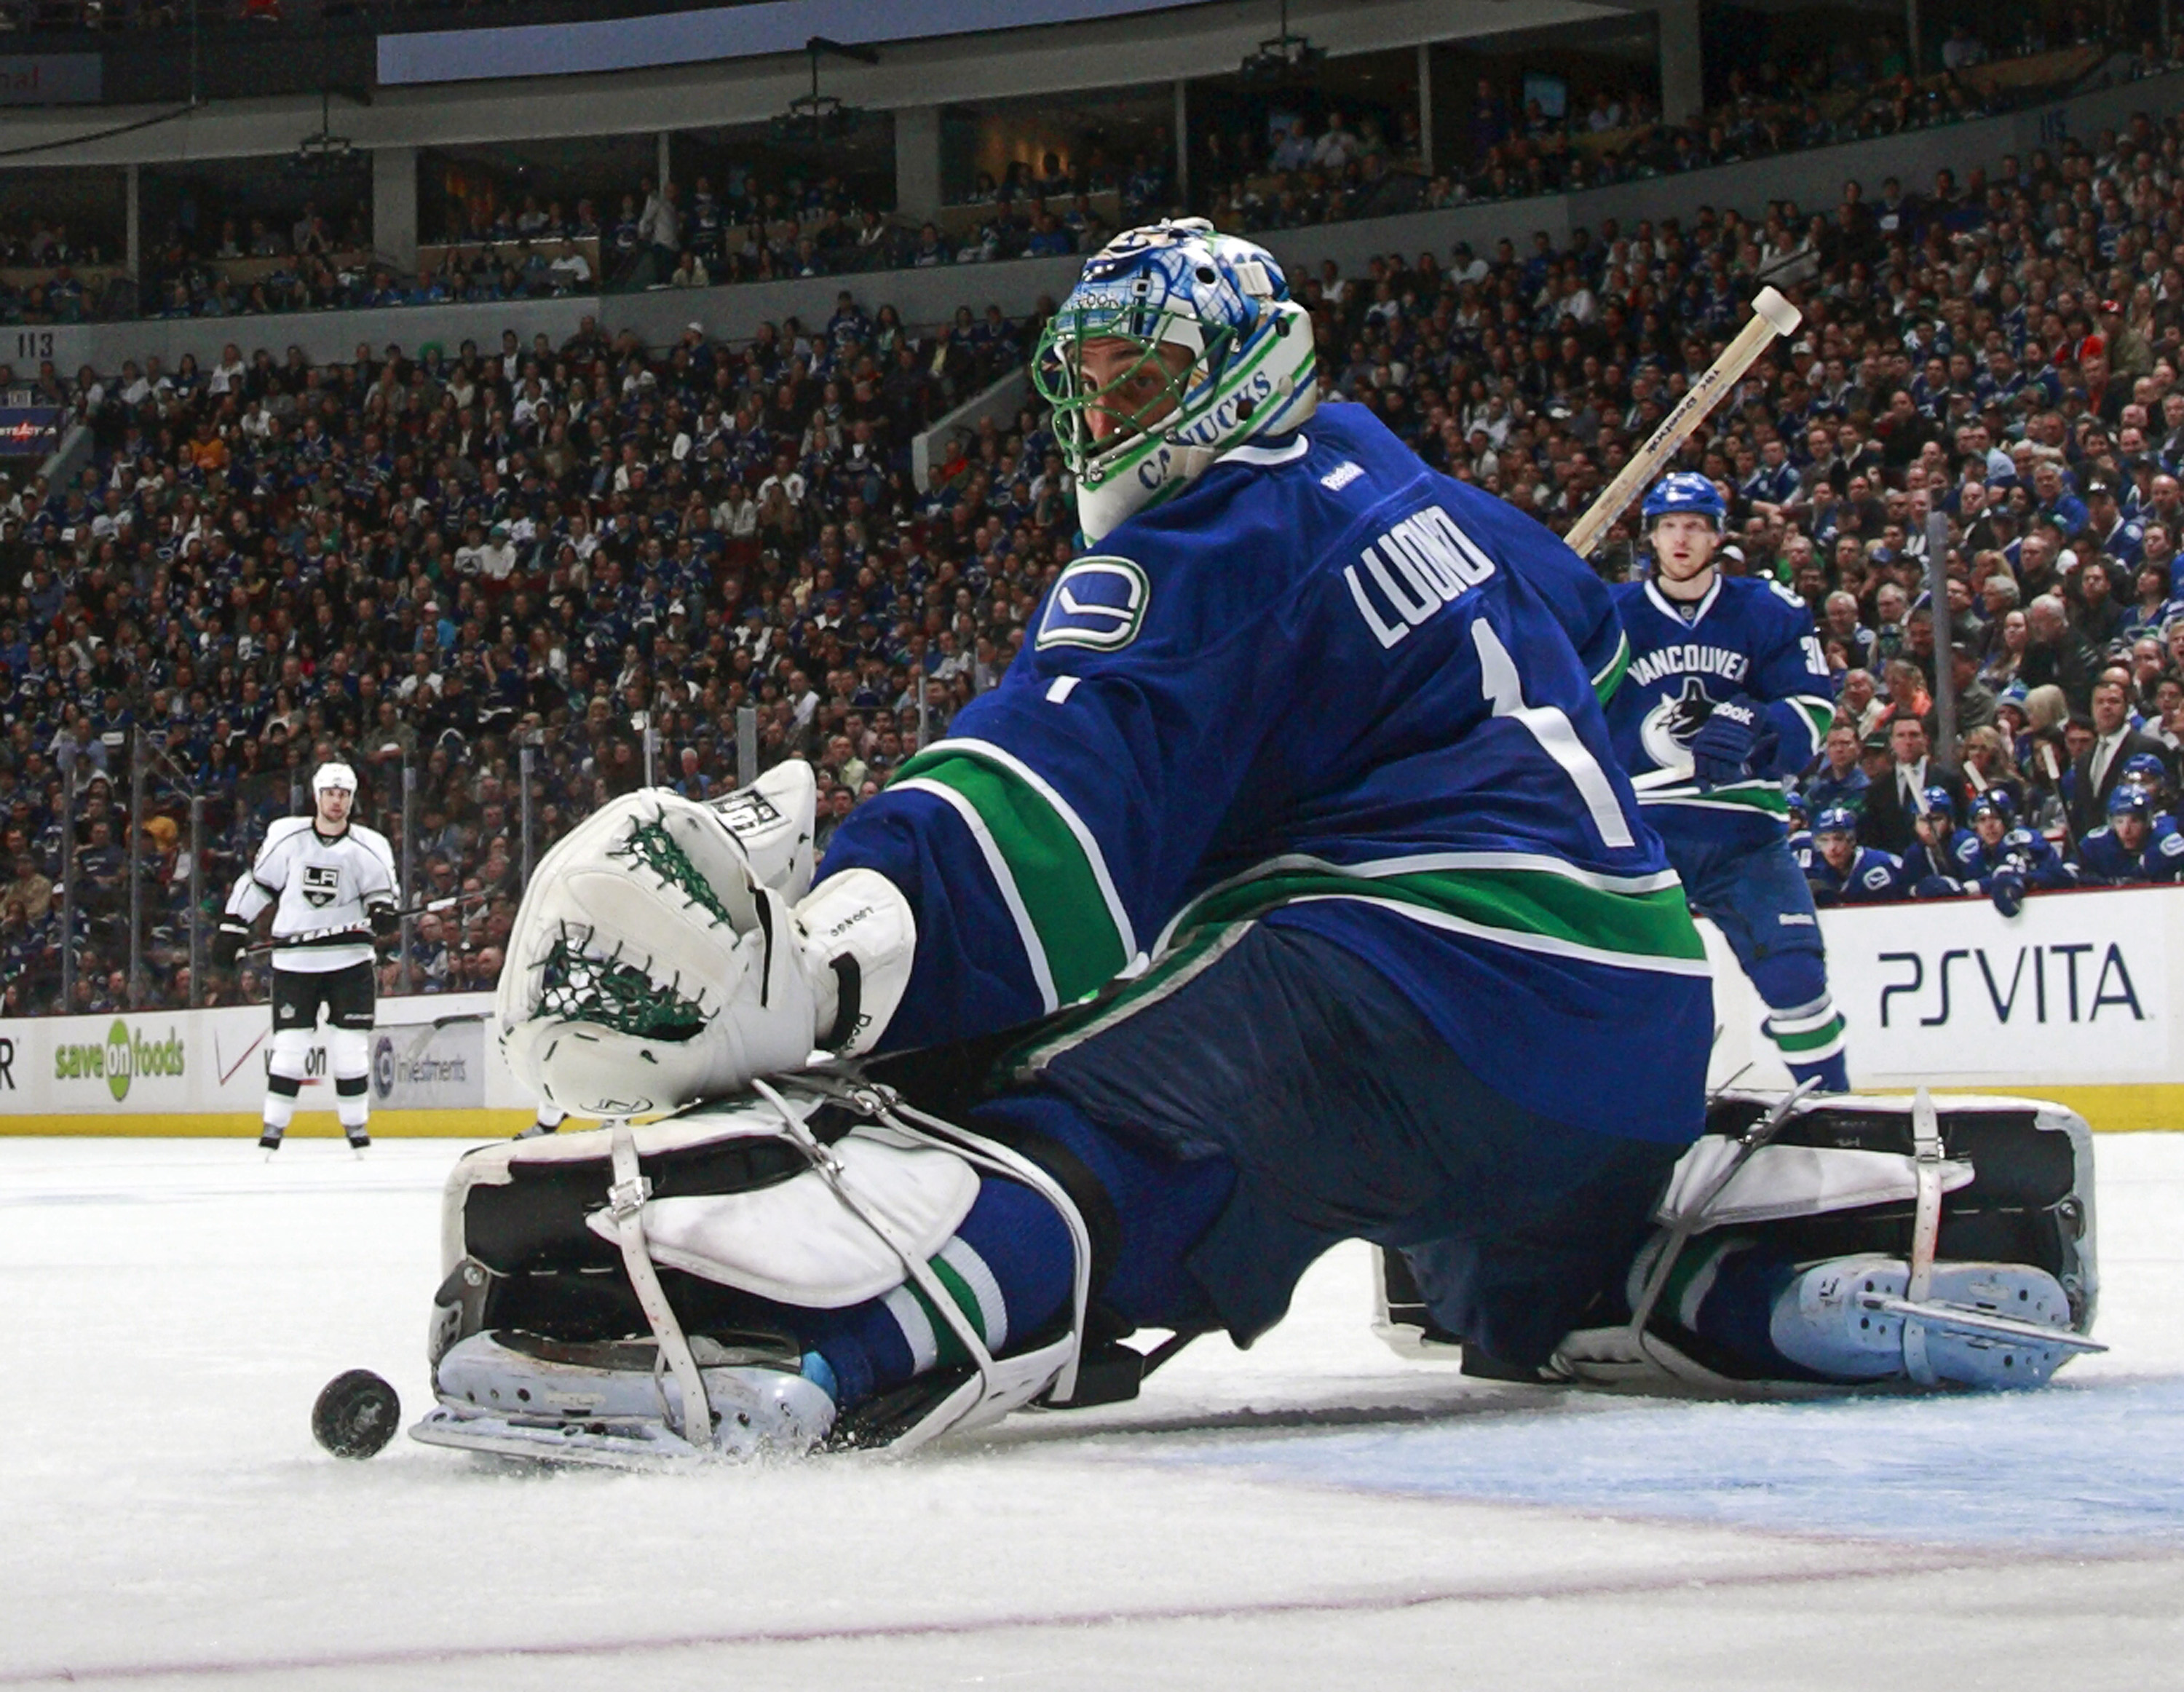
(1340, 476)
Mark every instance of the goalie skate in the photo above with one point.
(824, 1194)
(2006, 1188)
(1981, 1325)
(614, 1404)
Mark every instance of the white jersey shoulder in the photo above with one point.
(323, 891)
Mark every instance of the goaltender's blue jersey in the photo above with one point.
(1324, 687)
(1746, 637)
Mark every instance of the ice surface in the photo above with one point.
(1313, 1513)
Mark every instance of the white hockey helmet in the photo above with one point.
(1176, 283)
(332, 776)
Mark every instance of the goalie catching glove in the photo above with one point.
(653, 963)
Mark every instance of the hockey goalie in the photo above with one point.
(1286, 891)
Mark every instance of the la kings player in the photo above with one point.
(333, 886)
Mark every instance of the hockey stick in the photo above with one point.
(1771, 315)
(312, 936)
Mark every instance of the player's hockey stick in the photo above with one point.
(1771, 315)
(312, 936)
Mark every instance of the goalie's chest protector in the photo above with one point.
(1327, 688)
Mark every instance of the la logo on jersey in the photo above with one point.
(1098, 603)
(1667, 730)
(321, 883)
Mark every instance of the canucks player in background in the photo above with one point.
(2140, 844)
(2002, 859)
(1842, 872)
(1284, 891)
(1930, 861)
(1724, 692)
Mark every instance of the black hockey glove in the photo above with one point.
(227, 944)
(1733, 735)
(385, 922)
(2006, 888)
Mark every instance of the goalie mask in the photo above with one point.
(1221, 355)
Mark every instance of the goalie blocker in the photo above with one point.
(1871, 1239)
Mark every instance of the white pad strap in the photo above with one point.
(791, 1241)
(625, 1210)
(1926, 1230)
(1694, 1216)
(1775, 1181)
(1003, 1384)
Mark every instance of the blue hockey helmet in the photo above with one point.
(2130, 800)
(1799, 813)
(1686, 490)
(1996, 804)
(1836, 818)
(2143, 771)
(1938, 801)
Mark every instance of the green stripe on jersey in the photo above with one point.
(1754, 795)
(1605, 684)
(1619, 926)
(1042, 855)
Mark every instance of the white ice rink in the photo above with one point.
(1313, 1513)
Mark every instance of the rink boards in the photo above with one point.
(2069, 999)
(434, 1070)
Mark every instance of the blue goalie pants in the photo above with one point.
(1294, 1065)
(1749, 887)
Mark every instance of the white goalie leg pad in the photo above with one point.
(872, 1210)
(860, 939)
(813, 1240)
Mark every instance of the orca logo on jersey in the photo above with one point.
(321, 884)
(1098, 602)
(1669, 727)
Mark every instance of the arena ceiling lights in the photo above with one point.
(323, 155)
(816, 118)
(1284, 58)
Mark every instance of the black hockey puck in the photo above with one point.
(356, 1415)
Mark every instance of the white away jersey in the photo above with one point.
(326, 889)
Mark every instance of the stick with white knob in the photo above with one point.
(1771, 315)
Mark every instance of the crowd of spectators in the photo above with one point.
(2002, 354)
(1287, 169)
(426, 563)
(677, 235)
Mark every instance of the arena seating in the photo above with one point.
(604, 552)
